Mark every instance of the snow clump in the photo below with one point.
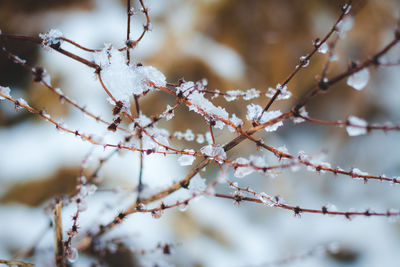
(124, 80)
(356, 126)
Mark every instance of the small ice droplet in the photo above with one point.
(304, 61)
(183, 207)
(156, 214)
(323, 48)
(72, 255)
(359, 79)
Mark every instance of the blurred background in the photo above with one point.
(235, 45)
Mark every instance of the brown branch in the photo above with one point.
(58, 237)
(307, 58)
(373, 60)
(275, 202)
(18, 263)
(38, 40)
(128, 29)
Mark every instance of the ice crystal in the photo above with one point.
(267, 116)
(242, 171)
(51, 38)
(251, 93)
(123, 80)
(185, 88)
(257, 161)
(283, 149)
(232, 95)
(359, 80)
(214, 151)
(356, 126)
(5, 91)
(265, 199)
(303, 112)
(304, 61)
(207, 109)
(216, 94)
(357, 173)
(235, 120)
(254, 111)
(284, 94)
(23, 102)
(186, 159)
(197, 184)
(323, 49)
(169, 113)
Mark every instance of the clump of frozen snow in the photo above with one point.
(23, 102)
(251, 93)
(46, 78)
(232, 95)
(248, 95)
(207, 109)
(187, 159)
(197, 184)
(357, 173)
(5, 91)
(356, 126)
(242, 171)
(169, 113)
(235, 120)
(267, 116)
(266, 199)
(318, 163)
(214, 151)
(254, 111)
(124, 80)
(284, 94)
(201, 105)
(359, 79)
(51, 38)
(302, 112)
(154, 139)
